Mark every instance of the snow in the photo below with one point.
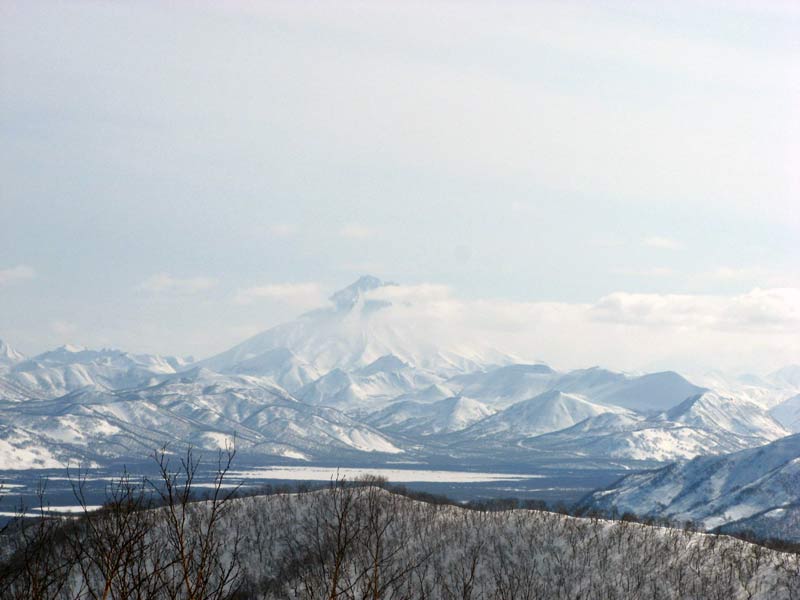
(355, 331)
(309, 473)
(727, 489)
(20, 451)
(547, 412)
(422, 419)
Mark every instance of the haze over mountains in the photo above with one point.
(348, 383)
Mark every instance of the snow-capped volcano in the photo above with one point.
(355, 330)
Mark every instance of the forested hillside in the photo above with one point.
(359, 540)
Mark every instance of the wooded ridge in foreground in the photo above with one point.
(358, 541)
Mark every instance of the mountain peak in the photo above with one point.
(9, 355)
(347, 297)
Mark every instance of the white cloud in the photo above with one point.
(302, 295)
(759, 329)
(761, 311)
(164, 283)
(14, 274)
(354, 231)
(665, 243)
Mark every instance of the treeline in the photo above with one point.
(358, 540)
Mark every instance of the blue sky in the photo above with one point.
(176, 176)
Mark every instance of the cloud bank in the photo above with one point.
(758, 330)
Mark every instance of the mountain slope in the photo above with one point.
(645, 393)
(69, 368)
(550, 411)
(281, 366)
(716, 491)
(506, 385)
(422, 419)
(787, 413)
(369, 387)
(702, 424)
(9, 356)
(738, 416)
(198, 408)
(354, 331)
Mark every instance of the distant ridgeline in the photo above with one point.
(349, 384)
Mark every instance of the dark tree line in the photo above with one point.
(361, 541)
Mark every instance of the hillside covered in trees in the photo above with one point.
(358, 540)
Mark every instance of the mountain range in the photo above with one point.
(349, 382)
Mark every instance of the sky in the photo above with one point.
(599, 182)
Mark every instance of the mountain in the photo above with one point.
(766, 391)
(360, 375)
(786, 377)
(12, 390)
(787, 413)
(354, 331)
(505, 385)
(736, 492)
(9, 356)
(367, 388)
(198, 408)
(737, 416)
(281, 366)
(550, 411)
(69, 368)
(21, 450)
(432, 393)
(648, 393)
(703, 424)
(509, 384)
(423, 419)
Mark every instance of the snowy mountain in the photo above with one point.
(354, 377)
(353, 332)
(787, 413)
(786, 377)
(509, 384)
(281, 366)
(69, 368)
(505, 385)
(12, 390)
(645, 393)
(423, 419)
(738, 491)
(9, 356)
(737, 416)
(22, 450)
(550, 411)
(702, 424)
(200, 408)
(368, 388)
(767, 391)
